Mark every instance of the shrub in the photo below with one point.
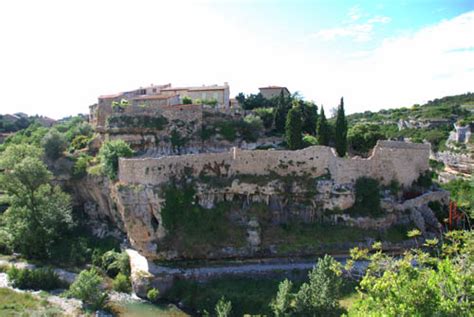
(54, 144)
(266, 114)
(37, 279)
(223, 307)
(251, 128)
(87, 287)
(115, 262)
(309, 140)
(425, 180)
(80, 142)
(153, 295)
(121, 283)
(187, 100)
(79, 169)
(109, 154)
(367, 196)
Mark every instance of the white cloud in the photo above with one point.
(57, 64)
(359, 32)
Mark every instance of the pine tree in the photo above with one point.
(341, 130)
(281, 112)
(293, 128)
(323, 129)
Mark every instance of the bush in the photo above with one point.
(54, 144)
(425, 180)
(80, 142)
(153, 295)
(266, 114)
(79, 169)
(109, 154)
(87, 287)
(309, 140)
(251, 128)
(187, 100)
(367, 196)
(115, 263)
(121, 283)
(37, 279)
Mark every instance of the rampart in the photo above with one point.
(390, 160)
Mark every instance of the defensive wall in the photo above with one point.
(390, 160)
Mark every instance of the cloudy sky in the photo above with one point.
(56, 57)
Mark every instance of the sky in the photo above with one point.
(57, 57)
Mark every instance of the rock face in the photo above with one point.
(137, 209)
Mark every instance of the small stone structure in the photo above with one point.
(390, 160)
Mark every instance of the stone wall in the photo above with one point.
(390, 160)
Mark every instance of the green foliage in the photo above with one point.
(281, 112)
(115, 263)
(177, 141)
(187, 100)
(363, 137)
(120, 105)
(36, 279)
(208, 102)
(323, 132)
(54, 144)
(282, 304)
(309, 114)
(87, 287)
(80, 142)
(293, 129)
(317, 297)
(425, 180)
(309, 140)
(38, 214)
(266, 114)
(13, 303)
(79, 169)
(252, 101)
(199, 230)
(153, 295)
(462, 191)
(436, 286)
(341, 130)
(109, 154)
(367, 197)
(6, 125)
(31, 135)
(223, 308)
(121, 283)
(251, 128)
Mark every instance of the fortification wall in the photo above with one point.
(390, 160)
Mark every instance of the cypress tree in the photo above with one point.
(341, 130)
(281, 112)
(293, 129)
(323, 129)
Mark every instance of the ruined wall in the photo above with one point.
(390, 160)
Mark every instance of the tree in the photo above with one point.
(317, 297)
(109, 154)
(320, 295)
(223, 307)
(281, 112)
(309, 113)
(38, 213)
(87, 287)
(54, 144)
(177, 141)
(281, 305)
(341, 130)
(293, 129)
(323, 132)
(251, 128)
(363, 137)
(367, 196)
(419, 283)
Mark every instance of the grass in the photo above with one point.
(296, 237)
(24, 304)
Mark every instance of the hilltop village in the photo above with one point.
(188, 176)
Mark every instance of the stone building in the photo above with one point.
(462, 133)
(273, 91)
(213, 92)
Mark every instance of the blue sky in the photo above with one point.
(58, 56)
